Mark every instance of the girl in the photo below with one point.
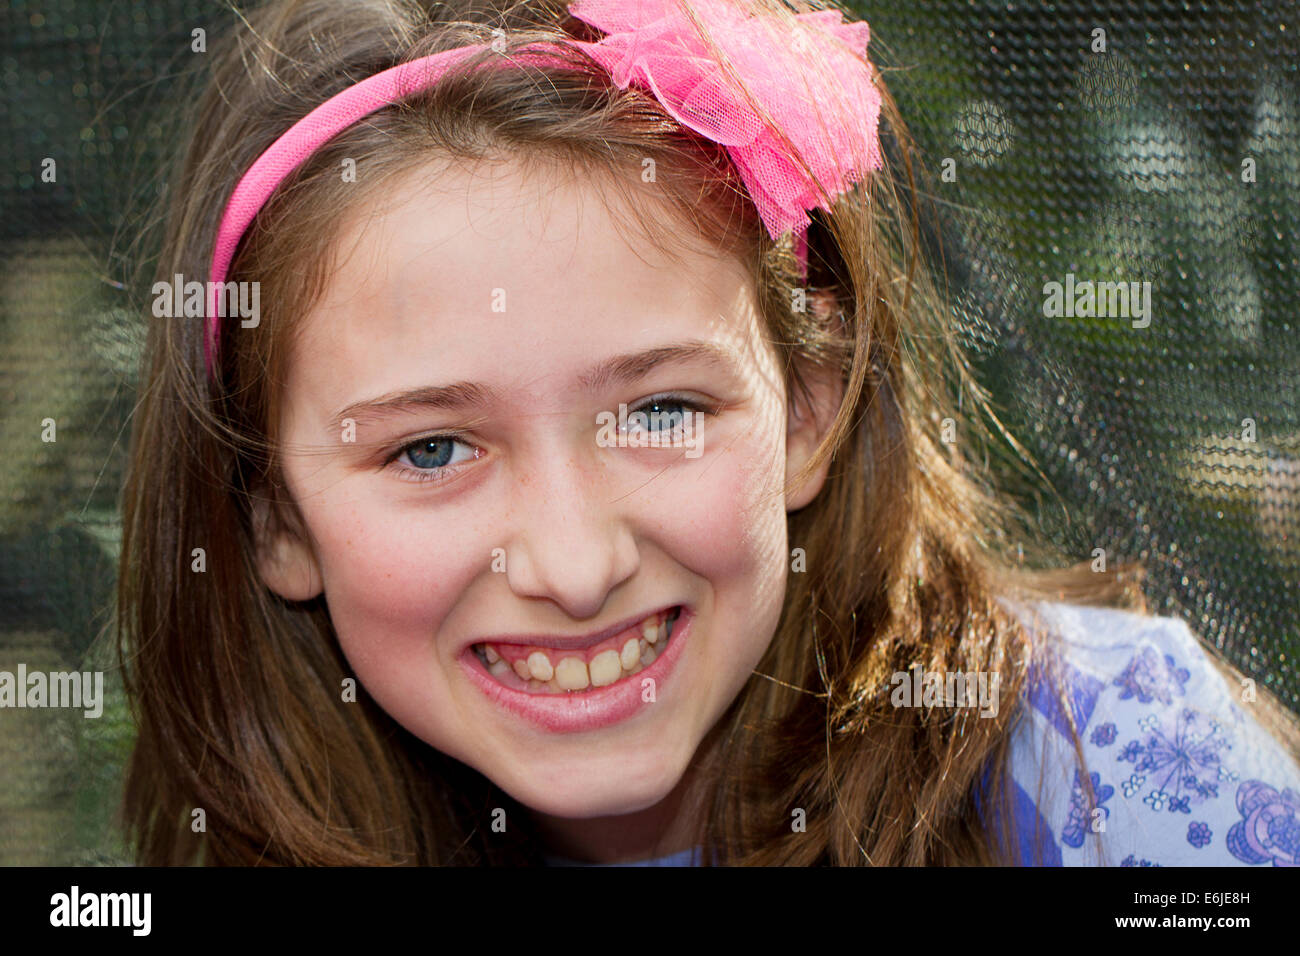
(559, 492)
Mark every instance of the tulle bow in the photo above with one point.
(817, 86)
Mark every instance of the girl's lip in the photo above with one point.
(591, 709)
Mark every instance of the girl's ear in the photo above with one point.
(286, 563)
(809, 421)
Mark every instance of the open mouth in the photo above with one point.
(547, 670)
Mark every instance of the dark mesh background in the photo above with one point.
(1123, 165)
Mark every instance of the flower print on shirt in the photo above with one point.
(1150, 678)
(1269, 828)
(1179, 759)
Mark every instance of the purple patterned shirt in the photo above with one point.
(1182, 773)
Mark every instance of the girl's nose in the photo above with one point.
(570, 539)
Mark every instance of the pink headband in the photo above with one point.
(652, 44)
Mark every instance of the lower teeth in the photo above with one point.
(505, 673)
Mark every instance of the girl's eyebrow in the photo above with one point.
(620, 369)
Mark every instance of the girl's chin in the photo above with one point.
(582, 808)
(594, 790)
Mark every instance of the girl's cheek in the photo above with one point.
(725, 520)
(389, 575)
(719, 530)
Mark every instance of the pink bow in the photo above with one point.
(831, 118)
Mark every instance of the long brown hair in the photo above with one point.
(236, 692)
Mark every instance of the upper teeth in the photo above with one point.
(568, 671)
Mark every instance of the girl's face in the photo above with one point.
(477, 510)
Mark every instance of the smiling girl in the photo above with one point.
(391, 594)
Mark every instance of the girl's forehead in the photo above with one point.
(448, 234)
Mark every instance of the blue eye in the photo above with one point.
(434, 453)
(663, 414)
(431, 457)
(655, 409)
